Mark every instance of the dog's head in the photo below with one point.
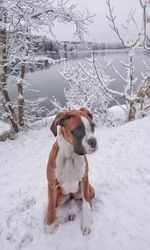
(77, 127)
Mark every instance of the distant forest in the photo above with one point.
(44, 45)
(54, 49)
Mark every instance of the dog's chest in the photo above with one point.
(69, 172)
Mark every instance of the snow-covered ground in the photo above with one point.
(119, 171)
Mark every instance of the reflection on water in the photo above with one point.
(50, 83)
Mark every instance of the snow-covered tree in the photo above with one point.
(18, 20)
(88, 86)
(131, 92)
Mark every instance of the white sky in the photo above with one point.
(100, 30)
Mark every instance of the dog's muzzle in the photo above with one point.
(92, 142)
(86, 146)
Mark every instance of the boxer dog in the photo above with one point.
(67, 168)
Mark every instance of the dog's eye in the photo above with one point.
(78, 132)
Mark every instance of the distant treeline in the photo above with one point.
(43, 44)
(69, 49)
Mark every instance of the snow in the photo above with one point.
(117, 115)
(4, 127)
(119, 171)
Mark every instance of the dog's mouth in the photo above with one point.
(91, 150)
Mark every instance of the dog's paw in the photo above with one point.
(86, 229)
(50, 229)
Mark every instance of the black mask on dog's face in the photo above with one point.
(77, 128)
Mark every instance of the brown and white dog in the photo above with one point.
(67, 168)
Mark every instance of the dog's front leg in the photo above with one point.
(86, 219)
(50, 225)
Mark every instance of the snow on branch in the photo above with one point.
(38, 13)
(112, 19)
(143, 33)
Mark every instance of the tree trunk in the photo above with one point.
(20, 96)
(132, 111)
(6, 98)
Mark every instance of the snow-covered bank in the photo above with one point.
(119, 171)
(5, 130)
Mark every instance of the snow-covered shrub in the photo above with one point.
(88, 83)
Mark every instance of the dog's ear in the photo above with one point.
(60, 120)
(87, 112)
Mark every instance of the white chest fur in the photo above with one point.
(70, 167)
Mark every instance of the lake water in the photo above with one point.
(50, 83)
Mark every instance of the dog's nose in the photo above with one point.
(92, 142)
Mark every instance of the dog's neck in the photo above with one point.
(65, 147)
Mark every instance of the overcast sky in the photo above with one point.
(100, 30)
